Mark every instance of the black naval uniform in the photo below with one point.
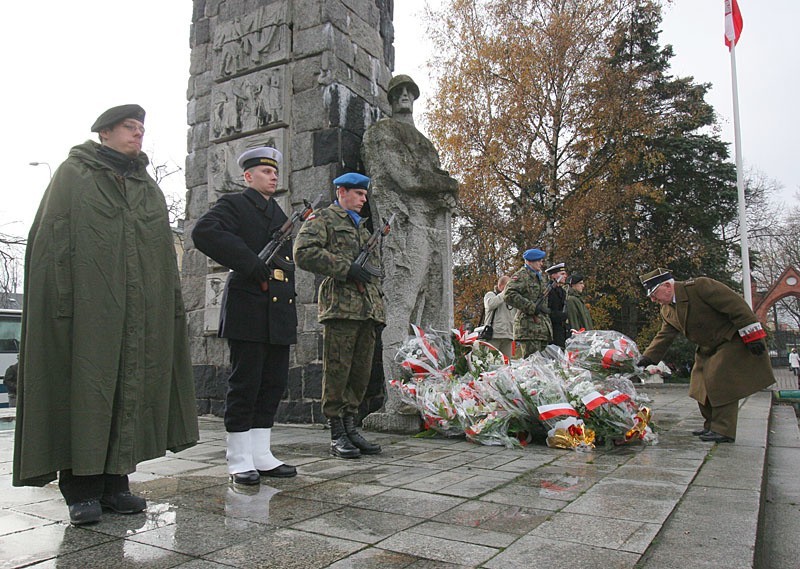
(557, 302)
(260, 326)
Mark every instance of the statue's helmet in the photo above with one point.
(402, 81)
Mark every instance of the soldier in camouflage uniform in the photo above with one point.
(532, 328)
(350, 308)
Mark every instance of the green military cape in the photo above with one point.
(710, 314)
(577, 312)
(105, 379)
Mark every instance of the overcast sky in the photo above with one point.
(66, 62)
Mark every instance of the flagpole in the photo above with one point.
(737, 141)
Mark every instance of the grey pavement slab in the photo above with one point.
(425, 503)
(778, 547)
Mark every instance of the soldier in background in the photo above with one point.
(500, 316)
(258, 317)
(557, 302)
(532, 328)
(578, 314)
(350, 308)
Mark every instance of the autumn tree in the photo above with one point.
(667, 187)
(514, 91)
(561, 121)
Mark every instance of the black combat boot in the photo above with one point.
(355, 437)
(341, 445)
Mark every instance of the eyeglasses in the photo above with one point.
(133, 127)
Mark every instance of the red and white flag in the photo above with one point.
(733, 23)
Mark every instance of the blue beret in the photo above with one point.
(262, 156)
(534, 255)
(352, 180)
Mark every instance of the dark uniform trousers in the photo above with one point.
(83, 488)
(347, 351)
(721, 419)
(259, 373)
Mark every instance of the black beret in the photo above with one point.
(574, 278)
(116, 115)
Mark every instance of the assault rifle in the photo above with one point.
(269, 253)
(545, 294)
(368, 247)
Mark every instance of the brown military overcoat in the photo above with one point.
(710, 314)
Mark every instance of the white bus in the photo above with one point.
(10, 334)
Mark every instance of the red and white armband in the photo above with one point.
(752, 333)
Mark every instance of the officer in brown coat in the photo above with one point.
(731, 361)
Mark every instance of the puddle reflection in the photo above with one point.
(248, 502)
(156, 516)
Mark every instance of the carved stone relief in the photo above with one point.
(257, 39)
(215, 284)
(247, 104)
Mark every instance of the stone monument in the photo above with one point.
(307, 77)
(407, 180)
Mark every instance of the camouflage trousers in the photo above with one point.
(528, 347)
(347, 350)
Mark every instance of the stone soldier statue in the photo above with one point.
(532, 328)
(350, 308)
(407, 180)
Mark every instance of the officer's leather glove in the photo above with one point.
(756, 348)
(644, 361)
(543, 309)
(260, 273)
(358, 273)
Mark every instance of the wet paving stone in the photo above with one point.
(337, 492)
(438, 549)
(122, 554)
(45, 542)
(517, 520)
(198, 535)
(428, 503)
(367, 526)
(287, 549)
(410, 503)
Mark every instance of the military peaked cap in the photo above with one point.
(555, 268)
(654, 279)
(116, 115)
(352, 180)
(261, 156)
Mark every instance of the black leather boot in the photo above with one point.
(355, 437)
(341, 445)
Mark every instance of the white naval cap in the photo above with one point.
(261, 156)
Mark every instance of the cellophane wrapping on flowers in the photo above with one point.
(566, 399)
(603, 352)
